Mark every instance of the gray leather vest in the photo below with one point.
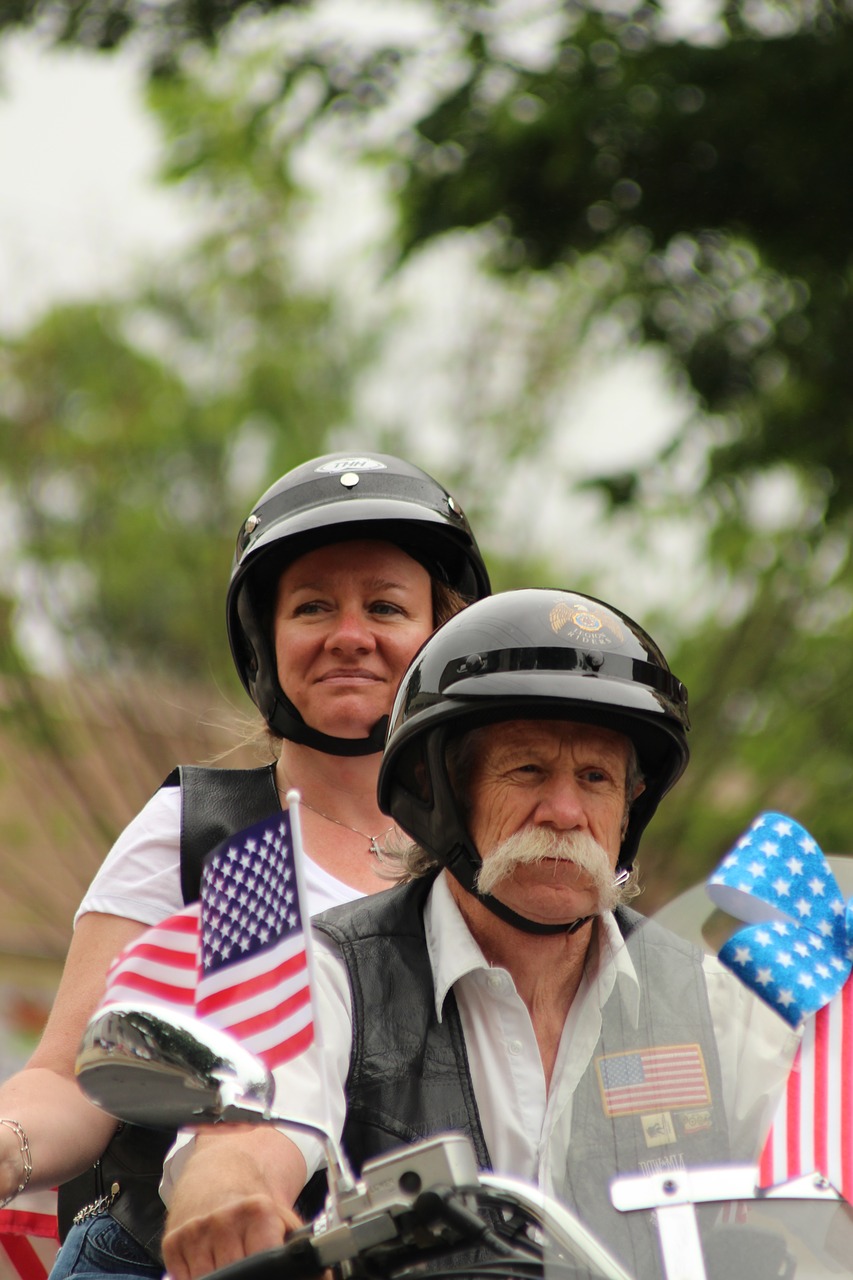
(409, 1075)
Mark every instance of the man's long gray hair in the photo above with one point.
(404, 860)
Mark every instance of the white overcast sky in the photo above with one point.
(78, 204)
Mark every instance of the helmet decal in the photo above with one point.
(581, 624)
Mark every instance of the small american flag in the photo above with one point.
(659, 1078)
(812, 1130)
(254, 979)
(238, 958)
(160, 965)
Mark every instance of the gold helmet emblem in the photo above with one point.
(581, 624)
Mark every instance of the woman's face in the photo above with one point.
(349, 618)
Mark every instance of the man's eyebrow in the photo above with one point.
(506, 752)
(602, 750)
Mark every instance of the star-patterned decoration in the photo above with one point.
(238, 958)
(797, 951)
(248, 895)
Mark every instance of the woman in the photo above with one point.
(342, 570)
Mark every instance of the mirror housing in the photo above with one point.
(152, 1066)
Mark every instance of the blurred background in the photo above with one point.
(589, 263)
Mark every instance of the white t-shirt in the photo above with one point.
(140, 878)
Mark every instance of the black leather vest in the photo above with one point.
(409, 1075)
(215, 803)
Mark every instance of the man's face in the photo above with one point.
(555, 779)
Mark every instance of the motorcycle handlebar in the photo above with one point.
(398, 1215)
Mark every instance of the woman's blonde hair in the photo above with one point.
(446, 602)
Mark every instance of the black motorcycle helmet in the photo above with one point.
(331, 499)
(527, 655)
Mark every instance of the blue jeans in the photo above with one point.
(101, 1247)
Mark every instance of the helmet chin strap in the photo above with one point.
(506, 913)
(286, 720)
(461, 868)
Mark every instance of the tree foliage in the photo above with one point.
(694, 194)
(715, 182)
(709, 185)
(136, 433)
(167, 25)
(770, 697)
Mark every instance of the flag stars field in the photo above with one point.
(242, 949)
(807, 981)
(809, 916)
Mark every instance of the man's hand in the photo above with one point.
(232, 1199)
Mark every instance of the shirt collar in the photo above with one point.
(452, 950)
(453, 953)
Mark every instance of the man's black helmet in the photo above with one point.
(328, 500)
(527, 655)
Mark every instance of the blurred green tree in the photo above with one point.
(700, 189)
(105, 24)
(693, 193)
(135, 433)
(714, 184)
(710, 178)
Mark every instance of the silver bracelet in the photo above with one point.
(26, 1159)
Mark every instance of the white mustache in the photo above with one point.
(540, 843)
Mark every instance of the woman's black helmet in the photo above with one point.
(527, 655)
(332, 499)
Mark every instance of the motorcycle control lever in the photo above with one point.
(413, 1204)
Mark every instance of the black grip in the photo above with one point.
(292, 1261)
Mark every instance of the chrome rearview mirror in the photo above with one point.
(155, 1067)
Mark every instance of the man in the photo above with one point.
(502, 989)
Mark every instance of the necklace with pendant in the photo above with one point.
(373, 841)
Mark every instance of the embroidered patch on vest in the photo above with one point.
(695, 1122)
(658, 1129)
(660, 1078)
(663, 1164)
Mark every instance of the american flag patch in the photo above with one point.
(665, 1077)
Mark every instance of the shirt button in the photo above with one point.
(495, 981)
(514, 1047)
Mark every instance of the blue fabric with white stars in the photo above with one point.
(797, 951)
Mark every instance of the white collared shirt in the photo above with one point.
(526, 1127)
